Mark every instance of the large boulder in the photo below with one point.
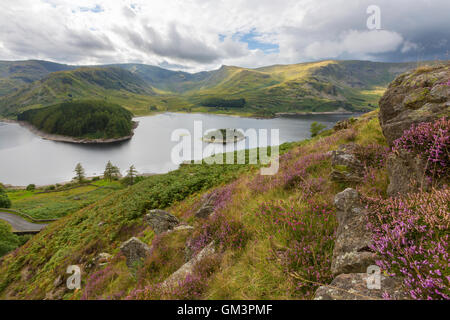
(422, 95)
(134, 251)
(406, 173)
(354, 287)
(352, 253)
(161, 221)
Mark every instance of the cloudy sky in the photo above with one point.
(199, 35)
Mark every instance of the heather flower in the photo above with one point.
(412, 240)
(430, 141)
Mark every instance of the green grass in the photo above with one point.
(252, 272)
(53, 205)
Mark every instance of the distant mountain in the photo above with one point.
(109, 83)
(15, 74)
(317, 86)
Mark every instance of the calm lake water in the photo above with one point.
(26, 158)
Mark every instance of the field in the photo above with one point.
(41, 204)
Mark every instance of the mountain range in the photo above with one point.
(305, 87)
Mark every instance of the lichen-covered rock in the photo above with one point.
(354, 287)
(134, 251)
(406, 174)
(161, 221)
(346, 166)
(422, 95)
(351, 252)
(189, 266)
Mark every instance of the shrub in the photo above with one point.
(431, 142)
(8, 240)
(31, 187)
(412, 241)
(5, 202)
(316, 128)
(372, 155)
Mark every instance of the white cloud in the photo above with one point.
(356, 43)
(188, 33)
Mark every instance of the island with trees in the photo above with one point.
(85, 121)
(223, 136)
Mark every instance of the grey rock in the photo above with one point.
(134, 251)
(102, 259)
(347, 167)
(188, 267)
(207, 207)
(161, 221)
(354, 287)
(417, 96)
(406, 174)
(351, 253)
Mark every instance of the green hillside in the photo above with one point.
(112, 84)
(82, 119)
(16, 74)
(315, 87)
(246, 267)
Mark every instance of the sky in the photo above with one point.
(197, 35)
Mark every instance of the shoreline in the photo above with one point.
(258, 117)
(67, 139)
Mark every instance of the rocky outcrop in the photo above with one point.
(422, 95)
(352, 257)
(207, 206)
(354, 287)
(351, 252)
(188, 267)
(161, 221)
(344, 124)
(134, 251)
(346, 166)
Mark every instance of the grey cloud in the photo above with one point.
(172, 45)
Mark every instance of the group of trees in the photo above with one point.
(224, 103)
(5, 202)
(94, 119)
(111, 173)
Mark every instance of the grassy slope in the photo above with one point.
(41, 204)
(112, 84)
(249, 272)
(14, 75)
(317, 86)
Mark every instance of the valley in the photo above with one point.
(307, 87)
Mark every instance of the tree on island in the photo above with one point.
(80, 175)
(111, 172)
(131, 176)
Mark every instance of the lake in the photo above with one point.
(26, 158)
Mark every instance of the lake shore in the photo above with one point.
(60, 138)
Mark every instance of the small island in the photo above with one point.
(84, 121)
(223, 136)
